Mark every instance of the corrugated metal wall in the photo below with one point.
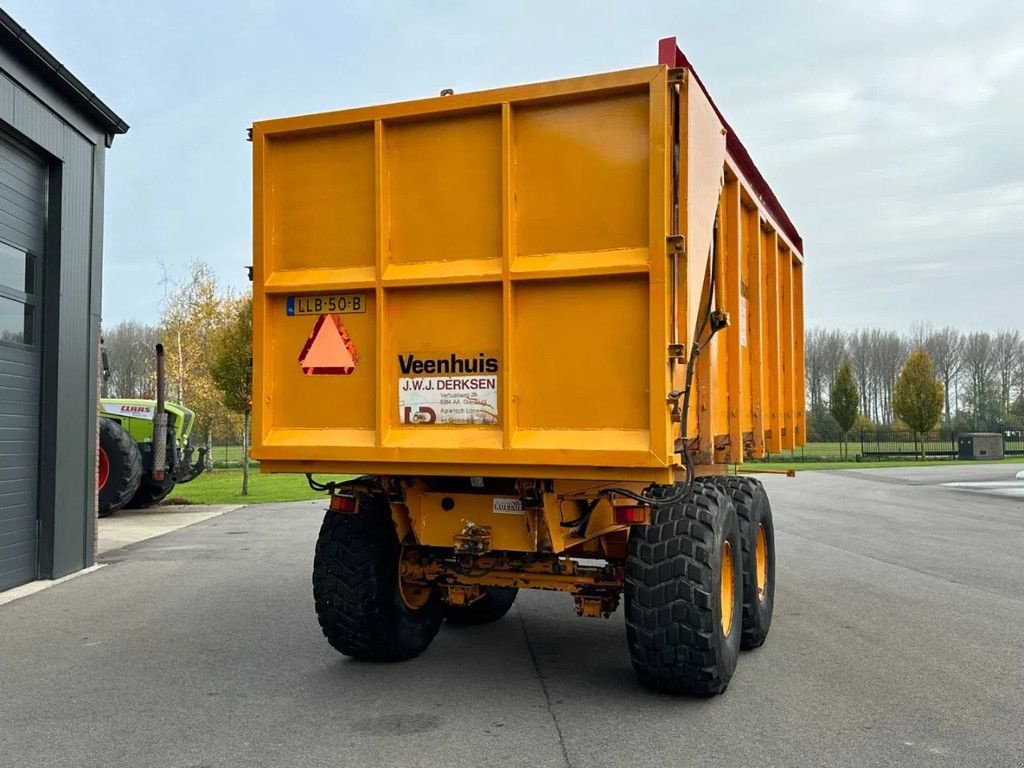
(73, 149)
(22, 240)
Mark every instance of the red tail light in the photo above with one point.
(631, 515)
(346, 504)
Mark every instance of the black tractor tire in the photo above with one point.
(356, 590)
(675, 579)
(755, 513)
(150, 493)
(495, 603)
(124, 467)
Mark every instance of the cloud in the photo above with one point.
(890, 130)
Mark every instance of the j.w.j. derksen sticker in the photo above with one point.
(448, 389)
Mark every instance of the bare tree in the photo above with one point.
(130, 353)
(833, 354)
(890, 352)
(860, 348)
(978, 366)
(819, 366)
(986, 369)
(919, 334)
(1006, 355)
(946, 349)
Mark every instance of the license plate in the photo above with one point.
(327, 304)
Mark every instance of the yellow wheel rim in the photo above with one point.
(413, 595)
(727, 588)
(761, 556)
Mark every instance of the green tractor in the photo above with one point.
(144, 450)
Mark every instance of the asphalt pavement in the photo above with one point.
(898, 640)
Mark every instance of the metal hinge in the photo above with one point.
(676, 245)
(677, 75)
(248, 134)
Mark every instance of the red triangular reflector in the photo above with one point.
(328, 350)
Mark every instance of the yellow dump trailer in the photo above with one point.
(536, 324)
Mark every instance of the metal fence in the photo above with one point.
(879, 443)
(225, 455)
(873, 444)
(882, 443)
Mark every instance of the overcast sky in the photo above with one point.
(890, 131)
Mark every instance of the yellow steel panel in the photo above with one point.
(717, 403)
(786, 320)
(701, 185)
(382, 219)
(719, 351)
(526, 225)
(701, 404)
(261, 378)
(581, 190)
(735, 334)
(428, 327)
(508, 249)
(755, 341)
(341, 401)
(580, 358)
(798, 338)
(772, 339)
(744, 321)
(322, 200)
(605, 84)
(660, 157)
(436, 527)
(445, 188)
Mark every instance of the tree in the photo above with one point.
(918, 395)
(862, 361)
(978, 366)
(890, 354)
(231, 371)
(1006, 355)
(814, 364)
(821, 427)
(946, 349)
(843, 399)
(131, 352)
(833, 354)
(824, 353)
(195, 309)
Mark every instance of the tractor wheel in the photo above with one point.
(495, 603)
(683, 596)
(757, 538)
(150, 493)
(120, 467)
(356, 588)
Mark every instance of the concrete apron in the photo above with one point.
(126, 527)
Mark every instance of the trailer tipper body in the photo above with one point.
(536, 324)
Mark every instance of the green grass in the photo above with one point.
(223, 486)
(835, 451)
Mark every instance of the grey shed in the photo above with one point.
(54, 134)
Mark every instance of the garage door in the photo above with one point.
(22, 230)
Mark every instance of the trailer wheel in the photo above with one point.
(682, 593)
(120, 468)
(495, 603)
(757, 538)
(356, 588)
(150, 493)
